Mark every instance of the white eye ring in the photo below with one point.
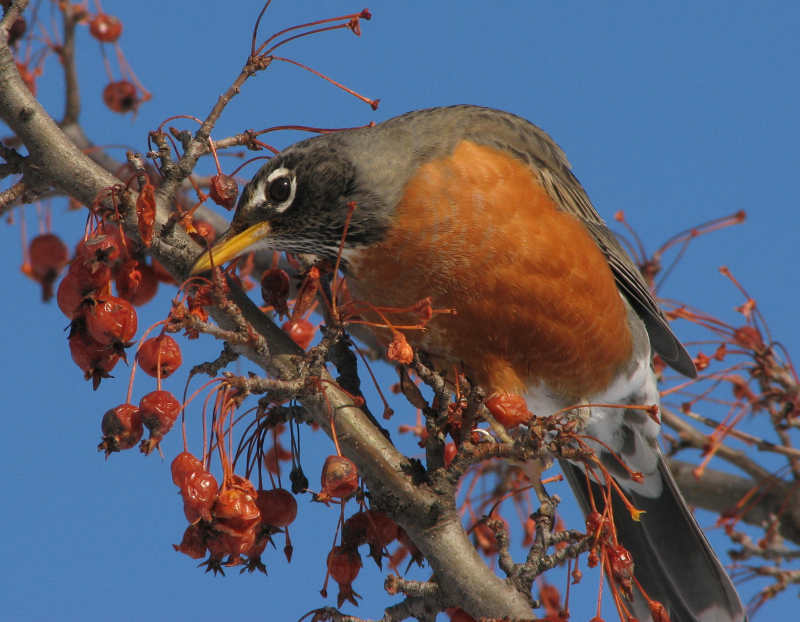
(276, 174)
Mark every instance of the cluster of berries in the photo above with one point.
(234, 522)
(103, 325)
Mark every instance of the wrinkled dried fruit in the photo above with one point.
(193, 543)
(95, 359)
(243, 484)
(344, 564)
(199, 492)
(509, 409)
(159, 411)
(370, 526)
(182, 465)
(235, 510)
(224, 190)
(160, 354)
(275, 289)
(122, 428)
(121, 97)
(105, 28)
(94, 258)
(399, 349)
(111, 321)
(278, 507)
(621, 565)
(70, 295)
(301, 331)
(205, 230)
(136, 282)
(339, 477)
(47, 255)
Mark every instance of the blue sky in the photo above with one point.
(675, 113)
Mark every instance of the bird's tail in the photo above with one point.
(673, 561)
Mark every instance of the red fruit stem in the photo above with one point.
(186, 403)
(127, 71)
(178, 116)
(297, 27)
(305, 34)
(372, 102)
(214, 153)
(386, 407)
(133, 365)
(600, 582)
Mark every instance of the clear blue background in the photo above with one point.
(676, 114)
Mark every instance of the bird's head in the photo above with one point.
(300, 201)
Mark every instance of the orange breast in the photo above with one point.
(534, 295)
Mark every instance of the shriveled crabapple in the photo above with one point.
(278, 507)
(159, 411)
(88, 274)
(105, 28)
(275, 289)
(301, 331)
(339, 478)
(233, 545)
(621, 566)
(399, 349)
(243, 484)
(95, 256)
(205, 230)
(70, 295)
(121, 97)
(136, 282)
(509, 409)
(371, 527)
(47, 256)
(111, 321)
(193, 543)
(224, 190)
(381, 530)
(122, 428)
(235, 511)
(95, 359)
(182, 465)
(199, 491)
(160, 354)
(344, 564)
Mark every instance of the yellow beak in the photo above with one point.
(225, 250)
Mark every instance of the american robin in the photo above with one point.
(479, 210)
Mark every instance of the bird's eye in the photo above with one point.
(280, 189)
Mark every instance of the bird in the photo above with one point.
(479, 210)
